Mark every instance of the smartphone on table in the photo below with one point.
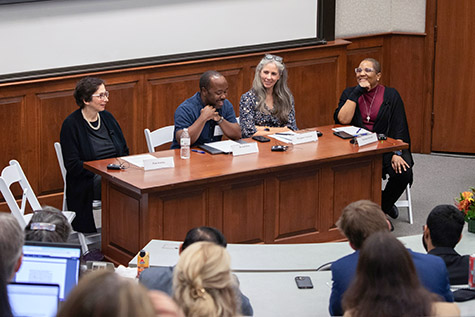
(303, 282)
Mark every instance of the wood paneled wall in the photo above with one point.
(32, 112)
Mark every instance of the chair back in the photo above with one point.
(14, 174)
(159, 137)
(59, 155)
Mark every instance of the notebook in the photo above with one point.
(50, 263)
(32, 299)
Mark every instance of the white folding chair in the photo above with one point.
(407, 203)
(84, 239)
(159, 137)
(14, 174)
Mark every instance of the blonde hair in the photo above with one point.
(202, 281)
(104, 293)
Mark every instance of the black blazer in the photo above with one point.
(457, 265)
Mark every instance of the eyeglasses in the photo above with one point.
(102, 95)
(274, 57)
(366, 70)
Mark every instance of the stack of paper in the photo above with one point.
(354, 131)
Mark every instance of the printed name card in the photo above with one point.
(245, 148)
(367, 139)
(157, 163)
(306, 137)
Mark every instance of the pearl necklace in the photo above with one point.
(88, 122)
(368, 111)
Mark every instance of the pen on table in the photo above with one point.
(358, 130)
(198, 151)
(281, 133)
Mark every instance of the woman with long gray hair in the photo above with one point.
(269, 106)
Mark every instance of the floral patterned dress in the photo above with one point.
(249, 116)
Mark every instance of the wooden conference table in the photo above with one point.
(267, 197)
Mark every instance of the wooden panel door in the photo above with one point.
(454, 80)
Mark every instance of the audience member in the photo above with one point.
(358, 221)
(386, 283)
(208, 114)
(379, 109)
(202, 281)
(443, 230)
(5, 309)
(48, 225)
(161, 278)
(269, 103)
(89, 133)
(11, 244)
(104, 293)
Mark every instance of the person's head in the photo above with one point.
(104, 293)
(369, 70)
(386, 272)
(270, 71)
(443, 227)
(202, 281)
(213, 88)
(48, 225)
(203, 233)
(91, 92)
(11, 244)
(270, 77)
(361, 219)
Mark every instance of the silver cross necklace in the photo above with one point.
(368, 110)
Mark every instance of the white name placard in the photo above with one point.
(245, 148)
(157, 163)
(367, 139)
(306, 137)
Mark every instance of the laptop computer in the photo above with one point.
(33, 299)
(50, 263)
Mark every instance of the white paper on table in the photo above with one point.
(223, 146)
(137, 160)
(354, 131)
(285, 137)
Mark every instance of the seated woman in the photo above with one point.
(386, 283)
(48, 225)
(202, 281)
(380, 109)
(89, 133)
(269, 103)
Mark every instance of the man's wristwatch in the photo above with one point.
(220, 120)
(398, 153)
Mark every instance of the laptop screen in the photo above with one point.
(30, 299)
(50, 263)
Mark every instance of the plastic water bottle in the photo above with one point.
(185, 144)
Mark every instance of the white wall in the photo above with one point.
(362, 17)
(61, 33)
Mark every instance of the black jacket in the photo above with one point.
(77, 149)
(391, 121)
(457, 265)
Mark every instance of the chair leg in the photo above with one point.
(82, 241)
(409, 204)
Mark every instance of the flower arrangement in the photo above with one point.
(466, 204)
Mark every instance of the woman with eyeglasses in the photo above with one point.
(269, 106)
(379, 109)
(89, 133)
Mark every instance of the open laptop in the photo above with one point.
(33, 299)
(50, 263)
